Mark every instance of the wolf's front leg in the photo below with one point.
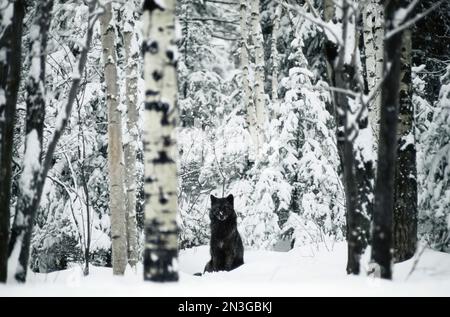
(229, 262)
(209, 267)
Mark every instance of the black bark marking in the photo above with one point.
(151, 93)
(157, 75)
(162, 158)
(149, 180)
(170, 55)
(151, 5)
(150, 46)
(159, 107)
(167, 141)
(162, 199)
(153, 47)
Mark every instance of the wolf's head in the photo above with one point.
(222, 208)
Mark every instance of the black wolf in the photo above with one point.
(226, 248)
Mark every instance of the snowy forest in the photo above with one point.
(327, 122)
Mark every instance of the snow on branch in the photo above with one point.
(326, 27)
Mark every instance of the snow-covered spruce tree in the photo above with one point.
(308, 154)
(284, 200)
(115, 147)
(11, 19)
(433, 162)
(29, 186)
(160, 56)
(405, 210)
(387, 149)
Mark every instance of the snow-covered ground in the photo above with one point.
(300, 272)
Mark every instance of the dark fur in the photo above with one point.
(226, 248)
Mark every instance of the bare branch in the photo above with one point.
(223, 2)
(217, 36)
(210, 19)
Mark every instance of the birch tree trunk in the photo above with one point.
(29, 183)
(249, 104)
(130, 148)
(275, 57)
(387, 149)
(259, 96)
(115, 151)
(10, 67)
(373, 43)
(160, 58)
(405, 210)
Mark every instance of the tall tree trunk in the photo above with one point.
(28, 197)
(387, 149)
(373, 43)
(357, 169)
(161, 229)
(130, 148)
(275, 57)
(10, 67)
(115, 150)
(405, 209)
(259, 96)
(248, 102)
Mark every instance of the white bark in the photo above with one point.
(249, 105)
(373, 42)
(130, 148)
(275, 56)
(160, 55)
(115, 151)
(259, 96)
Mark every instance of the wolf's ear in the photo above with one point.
(230, 199)
(213, 199)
